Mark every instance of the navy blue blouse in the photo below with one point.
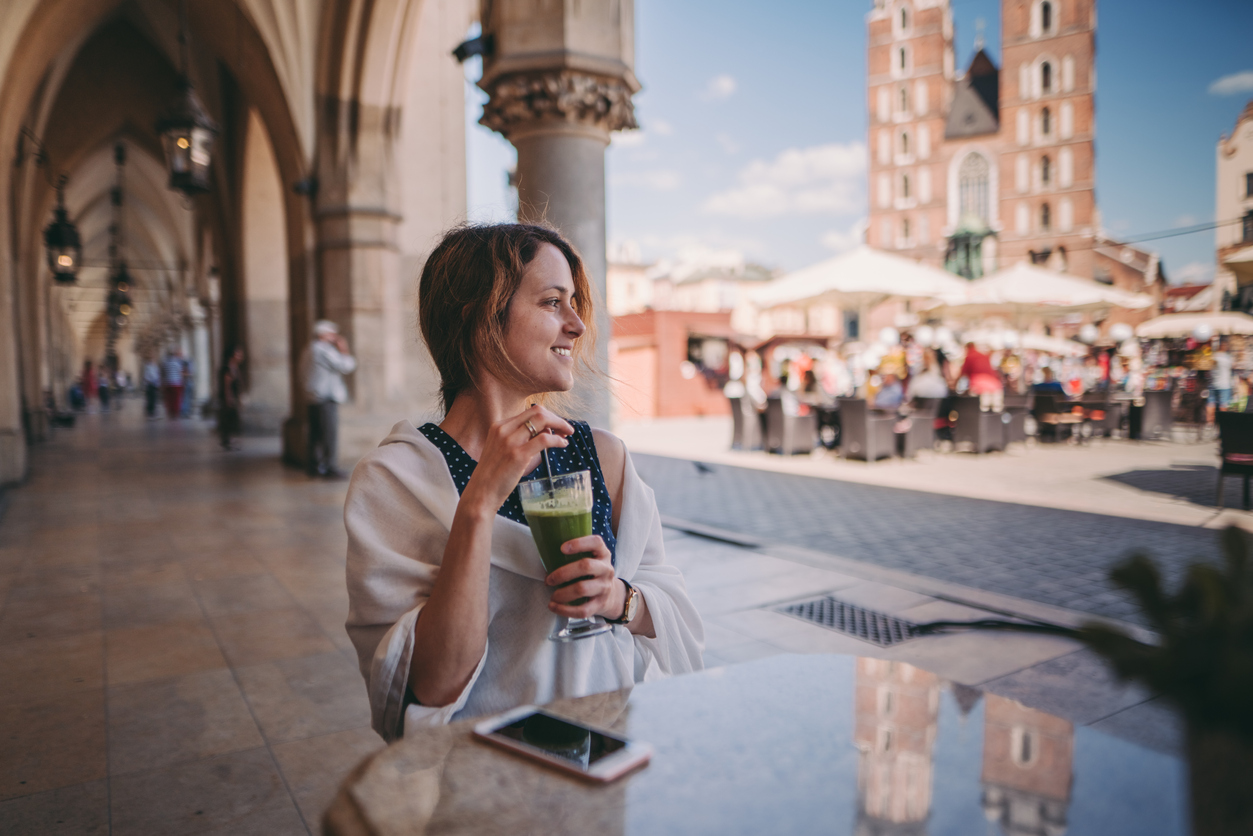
(580, 454)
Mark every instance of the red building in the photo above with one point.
(666, 364)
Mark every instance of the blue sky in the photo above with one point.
(753, 125)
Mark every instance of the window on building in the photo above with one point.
(1248, 227)
(905, 142)
(1046, 170)
(905, 231)
(1046, 218)
(904, 100)
(901, 57)
(1248, 184)
(1046, 122)
(1046, 77)
(905, 188)
(972, 187)
(904, 18)
(1046, 16)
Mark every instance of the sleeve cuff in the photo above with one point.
(421, 716)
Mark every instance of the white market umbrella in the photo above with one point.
(1026, 340)
(1183, 324)
(861, 278)
(1026, 290)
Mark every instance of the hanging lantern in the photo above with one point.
(187, 134)
(63, 246)
(119, 301)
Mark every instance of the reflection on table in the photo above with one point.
(790, 744)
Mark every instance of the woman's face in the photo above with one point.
(542, 326)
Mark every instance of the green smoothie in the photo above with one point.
(551, 527)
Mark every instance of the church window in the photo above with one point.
(904, 98)
(1022, 746)
(1046, 77)
(905, 232)
(1046, 122)
(905, 186)
(904, 18)
(972, 188)
(1046, 219)
(901, 58)
(905, 142)
(1046, 170)
(1046, 16)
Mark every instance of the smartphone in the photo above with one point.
(580, 750)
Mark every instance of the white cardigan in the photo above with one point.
(398, 514)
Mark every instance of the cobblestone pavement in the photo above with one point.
(1051, 556)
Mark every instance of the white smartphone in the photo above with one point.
(580, 750)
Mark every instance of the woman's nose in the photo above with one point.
(575, 326)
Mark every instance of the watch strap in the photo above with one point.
(627, 609)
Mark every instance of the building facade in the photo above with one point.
(1233, 210)
(981, 169)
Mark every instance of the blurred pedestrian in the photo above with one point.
(189, 387)
(323, 367)
(982, 379)
(172, 374)
(152, 387)
(1220, 380)
(891, 395)
(89, 385)
(230, 378)
(928, 382)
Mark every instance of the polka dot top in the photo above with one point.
(580, 454)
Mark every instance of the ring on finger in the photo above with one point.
(531, 429)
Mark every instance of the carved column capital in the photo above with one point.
(525, 100)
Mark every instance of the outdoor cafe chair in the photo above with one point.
(920, 427)
(1235, 449)
(984, 431)
(789, 434)
(745, 425)
(864, 433)
(1017, 410)
(1052, 414)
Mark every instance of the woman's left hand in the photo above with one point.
(594, 579)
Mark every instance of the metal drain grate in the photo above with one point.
(867, 625)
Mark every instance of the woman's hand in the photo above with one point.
(510, 452)
(593, 579)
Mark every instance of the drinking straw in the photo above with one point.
(547, 467)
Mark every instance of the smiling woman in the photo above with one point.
(451, 606)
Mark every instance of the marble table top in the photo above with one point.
(789, 744)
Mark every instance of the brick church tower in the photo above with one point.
(982, 170)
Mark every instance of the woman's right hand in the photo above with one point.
(510, 452)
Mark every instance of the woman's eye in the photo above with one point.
(554, 302)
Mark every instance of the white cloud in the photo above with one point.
(659, 180)
(627, 139)
(728, 144)
(1195, 272)
(1229, 85)
(720, 87)
(846, 239)
(821, 179)
(661, 127)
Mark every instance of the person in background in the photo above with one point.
(89, 384)
(172, 379)
(982, 379)
(891, 395)
(104, 382)
(189, 388)
(1049, 385)
(1220, 381)
(324, 365)
(152, 387)
(230, 379)
(928, 382)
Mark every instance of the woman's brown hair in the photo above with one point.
(463, 301)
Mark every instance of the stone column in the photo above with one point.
(560, 80)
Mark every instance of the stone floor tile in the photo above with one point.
(45, 582)
(1079, 687)
(256, 637)
(38, 669)
(315, 767)
(885, 599)
(973, 658)
(747, 651)
(135, 654)
(121, 576)
(46, 744)
(238, 794)
(49, 617)
(80, 810)
(213, 564)
(242, 594)
(154, 603)
(1155, 724)
(943, 611)
(764, 625)
(306, 697)
(810, 638)
(168, 721)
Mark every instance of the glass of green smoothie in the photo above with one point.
(559, 509)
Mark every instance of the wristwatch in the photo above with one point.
(629, 607)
